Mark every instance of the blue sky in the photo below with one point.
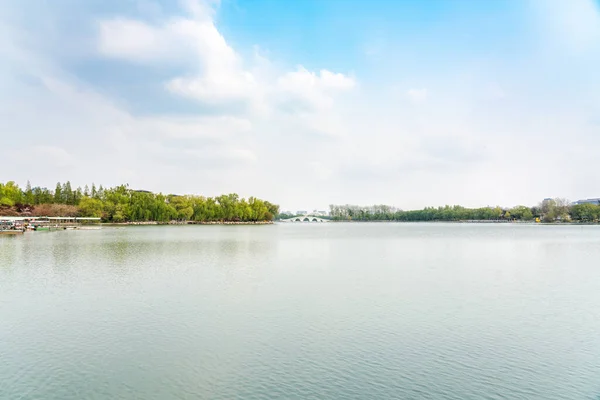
(306, 103)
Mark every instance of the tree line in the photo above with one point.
(549, 210)
(122, 204)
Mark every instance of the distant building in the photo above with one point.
(588, 201)
(301, 212)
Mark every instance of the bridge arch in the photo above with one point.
(304, 218)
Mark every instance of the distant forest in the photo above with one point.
(122, 204)
(549, 210)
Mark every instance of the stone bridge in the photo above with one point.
(304, 218)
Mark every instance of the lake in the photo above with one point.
(302, 311)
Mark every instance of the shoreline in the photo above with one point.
(152, 223)
(453, 222)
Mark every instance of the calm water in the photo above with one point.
(328, 311)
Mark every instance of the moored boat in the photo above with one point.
(11, 231)
(10, 228)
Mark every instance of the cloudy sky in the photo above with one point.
(306, 103)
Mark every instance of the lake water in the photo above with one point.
(302, 311)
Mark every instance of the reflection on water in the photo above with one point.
(9, 251)
(328, 311)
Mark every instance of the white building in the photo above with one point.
(588, 201)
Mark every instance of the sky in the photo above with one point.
(307, 103)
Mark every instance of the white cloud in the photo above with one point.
(201, 9)
(218, 155)
(299, 137)
(302, 81)
(575, 23)
(417, 95)
(220, 77)
(149, 7)
(215, 87)
(144, 148)
(309, 91)
(132, 40)
(496, 91)
(214, 127)
(338, 80)
(320, 170)
(52, 155)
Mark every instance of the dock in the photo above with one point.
(11, 224)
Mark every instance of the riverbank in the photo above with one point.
(470, 222)
(438, 221)
(188, 223)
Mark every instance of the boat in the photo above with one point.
(11, 232)
(10, 228)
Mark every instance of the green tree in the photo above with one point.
(28, 195)
(77, 196)
(10, 194)
(58, 197)
(555, 209)
(585, 212)
(89, 207)
(121, 204)
(521, 213)
(42, 196)
(67, 194)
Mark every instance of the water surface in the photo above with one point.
(302, 311)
